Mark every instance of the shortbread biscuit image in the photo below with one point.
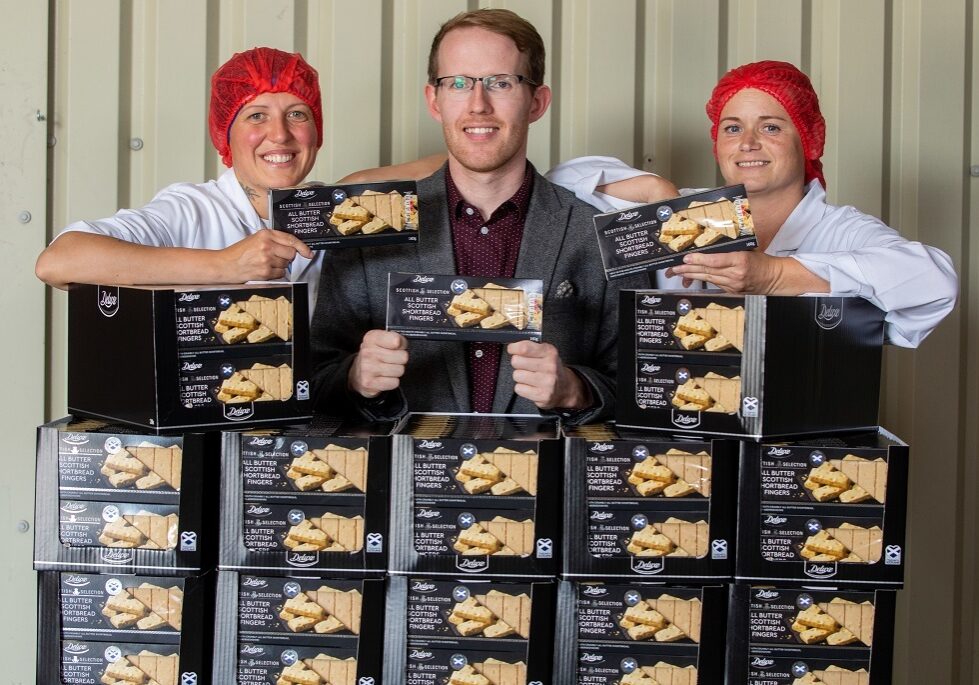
(857, 619)
(144, 530)
(684, 614)
(847, 543)
(500, 472)
(490, 672)
(715, 328)
(255, 320)
(327, 533)
(703, 224)
(501, 536)
(673, 474)
(689, 538)
(849, 480)
(331, 670)
(837, 623)
(837, 675)
(146, 667)
(144, 466)
(711, 392)
(330, 469)
(661, 672)
(146, 607)
(259, 383)
(324, 611)
(509, 302)
(492, 615)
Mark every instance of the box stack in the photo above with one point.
(303, 554)
(820, 489)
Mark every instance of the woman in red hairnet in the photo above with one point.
(266, 121)
(768, 134)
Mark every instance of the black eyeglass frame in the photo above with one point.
(437, 81)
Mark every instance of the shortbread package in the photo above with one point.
(621, 633)
(477, 501)
(297, 629)
(112, 499)
(123, 629)
(331, 216)
(467, 631)
(313, 496)
(657, 236)
(640, 505)
(748, 366)
(170, 357)
(808, 636)
(443, 307)
(830, 510)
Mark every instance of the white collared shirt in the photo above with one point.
(857, 254)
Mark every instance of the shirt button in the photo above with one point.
(484, 230)
(479, 354)
(469, 211)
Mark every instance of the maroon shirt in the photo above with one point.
(488, 249)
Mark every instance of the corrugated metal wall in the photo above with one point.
(129, 91)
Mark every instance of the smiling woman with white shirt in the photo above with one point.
(266, 122)
(768, 134)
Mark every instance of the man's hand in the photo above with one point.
(750, 272)
(379, 364)
(541, 377)
(264, 255)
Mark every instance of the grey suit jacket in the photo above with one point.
(559, 246)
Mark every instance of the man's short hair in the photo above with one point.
(500, 21)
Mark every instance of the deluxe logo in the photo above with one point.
(74, 507)
(117, 555)
(302, 559)
(820, 570)
(762, 662)
(420, 655)
(76, 581)
(602, 447)
(594, 591)
(420, 586)
(647, 566)
(255, 582)
(75, 649)
(650, 368)
(430, 445)
(260, 442)
(238, 412)
(779, 451)
(191, 366)
(588, 658)
(304, 193)
(651, 300)
(472, 564)
(773, 520)
(686, 420)
(766, 594)
(189, 297)
(250, 650)
(627, 216)
(422, 279)
(108, 301)
(829, 313)
(429, 514)
(257, 510)
(601, 515)
(75, 439)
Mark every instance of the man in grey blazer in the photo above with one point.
(487, 212)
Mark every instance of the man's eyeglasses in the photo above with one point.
(498, 84)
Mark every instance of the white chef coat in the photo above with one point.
(211, 215)
(857, 254)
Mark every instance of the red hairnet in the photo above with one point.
(793, 91)
(249, 74)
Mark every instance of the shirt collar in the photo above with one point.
(520, 200)
(800, 222)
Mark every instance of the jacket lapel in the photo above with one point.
(543, 236)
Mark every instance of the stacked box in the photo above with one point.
(102, 629)
(640, 505)
(186, 356)
(623, 633)
(306, 497)
(109, 498)
(298, 629)
(748, 366)
(783, 636)
(828, 510)
(462, 631)
(469, 496)
(356, 215)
